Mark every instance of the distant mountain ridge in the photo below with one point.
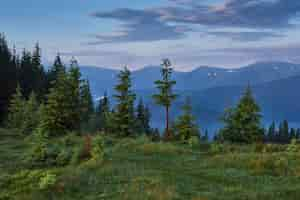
(212, 89)
(103, 79)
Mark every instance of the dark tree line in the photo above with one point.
(281, 134)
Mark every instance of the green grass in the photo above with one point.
(139, 169)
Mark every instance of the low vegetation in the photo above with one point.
(141, 169)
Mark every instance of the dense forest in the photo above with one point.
(57, 123)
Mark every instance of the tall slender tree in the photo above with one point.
(143, 118)
(124, 110)
(166, 95)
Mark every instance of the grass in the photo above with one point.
(139, 169)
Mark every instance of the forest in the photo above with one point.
(58, 142)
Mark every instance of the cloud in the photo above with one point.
(176, 20)
(139, 25)
(248, 36)
(273, 14)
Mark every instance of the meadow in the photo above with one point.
(137, 168)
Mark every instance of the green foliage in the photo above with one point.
(242, 124)
(47, 181)
(97, 153)
(16, 110)
(124, 112)
(86, 103)
(275, 166)
(293, 147)
(165, 97)
(186, 126)
(103, 114)
(142, 119)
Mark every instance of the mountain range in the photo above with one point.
(212, 89)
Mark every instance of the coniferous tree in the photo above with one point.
(124, 110)
(26, 74)
(272, 132)
(31, 115)
(298, 133)
(86, 102)
(16, 113)
(166, 95)
(186, 125)
(40, 76)
(292, 134)
(57, 113)
(143, 118)
(103, 113)
(8, 77)
(57, 68)
(242, 124)
(74, 95)
(205, 136)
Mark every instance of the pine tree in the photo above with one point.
(57, 113)
(26, 74)
(31, 115)
(124, 112)
(165, 96)
(86, 102)
(16, 114)
(103, 113)
(272, 132)
(74, 95)
(205, 137)
(242, 124)
(52, 75)
(186, 125)
(143, 118)
(292, 134)
(298, 133)
(40, 76)
(8, 77)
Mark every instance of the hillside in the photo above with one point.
(140, 169)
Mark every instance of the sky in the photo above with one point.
(138, 33)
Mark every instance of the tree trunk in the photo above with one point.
(167, 133)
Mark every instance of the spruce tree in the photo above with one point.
(103, 113)
(57, 68)
(166, 95)
(74, 95)
(292, 134)
(40, 76)
(8, 77)
(143, 118)
(242, 124)
(16, 114)
(186, 126)
(124, 110)
(272, 132)
(57, 113)
(86, 102)
(32, 115)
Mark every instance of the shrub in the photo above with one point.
(217, 148)
(193, 141)
(266, 164)
(97, 152)
(47, 181)
(292, 147)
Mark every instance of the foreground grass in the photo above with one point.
(139, 169)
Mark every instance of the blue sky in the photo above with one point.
(114, 33)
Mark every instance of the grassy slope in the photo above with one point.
(140, 170)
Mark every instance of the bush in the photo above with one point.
(193, 141)
(273, 165)
(47, 181)
(97, 153)
(293, 146)
(217, 148)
